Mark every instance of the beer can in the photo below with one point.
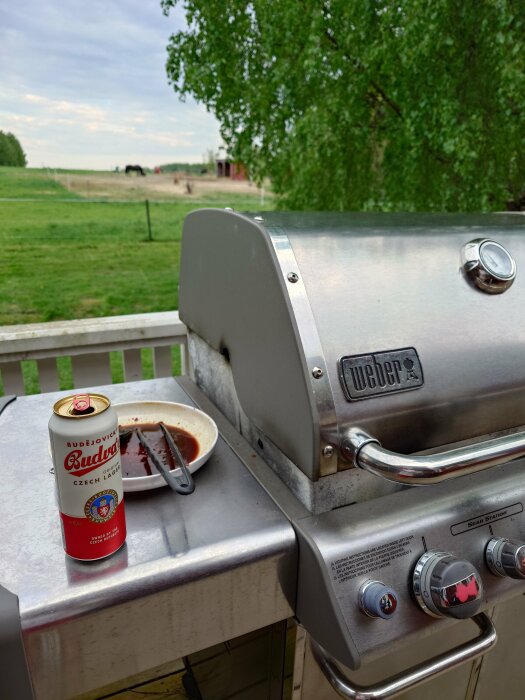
(84, 436)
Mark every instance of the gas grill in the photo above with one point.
(376, 364)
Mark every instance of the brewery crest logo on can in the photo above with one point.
(85, 446)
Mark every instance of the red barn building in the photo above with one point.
(235, 171)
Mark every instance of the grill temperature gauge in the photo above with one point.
(488, 265)
(447, 587)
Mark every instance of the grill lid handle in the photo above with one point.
(412, 677)
(366, 452)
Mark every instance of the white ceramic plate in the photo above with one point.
(193, 421)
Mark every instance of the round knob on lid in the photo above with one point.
(377, 600)
(506, 557)
(447, 587)
(488, 265)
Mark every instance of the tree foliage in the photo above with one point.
(354, 104)
(11, 152)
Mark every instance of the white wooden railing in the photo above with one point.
(88, 342)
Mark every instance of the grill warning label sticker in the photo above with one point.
(372, 559)
(486, 518)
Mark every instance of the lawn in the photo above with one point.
(61, 259)
(30, 183)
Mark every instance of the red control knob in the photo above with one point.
(447, 587)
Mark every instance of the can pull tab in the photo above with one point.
(82, 404)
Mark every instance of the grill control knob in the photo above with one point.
(506, 557)
(447, 587)
(377, 600)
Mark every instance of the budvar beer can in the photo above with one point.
(85, 446)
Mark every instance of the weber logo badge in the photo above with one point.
(364, 376)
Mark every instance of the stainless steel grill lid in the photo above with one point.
(391, 323)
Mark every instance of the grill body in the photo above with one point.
(306, 330)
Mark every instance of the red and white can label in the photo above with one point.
(89, 484)
(92, 537)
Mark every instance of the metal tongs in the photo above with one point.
(181, 479)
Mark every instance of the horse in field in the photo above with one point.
(135, 169)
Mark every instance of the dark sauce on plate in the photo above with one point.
(134, 459)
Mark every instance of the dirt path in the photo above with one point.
(164, 186)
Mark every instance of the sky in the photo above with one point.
(83, 85)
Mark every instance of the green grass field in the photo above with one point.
(28, 183)
(61, 260)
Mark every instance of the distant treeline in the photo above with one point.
(11, 152)
(194, 168)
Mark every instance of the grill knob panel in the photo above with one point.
(377, 600)
(506, 557)
(447, 587)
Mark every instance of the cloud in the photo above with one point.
(89, 78)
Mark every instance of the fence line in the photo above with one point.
(85, 200)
